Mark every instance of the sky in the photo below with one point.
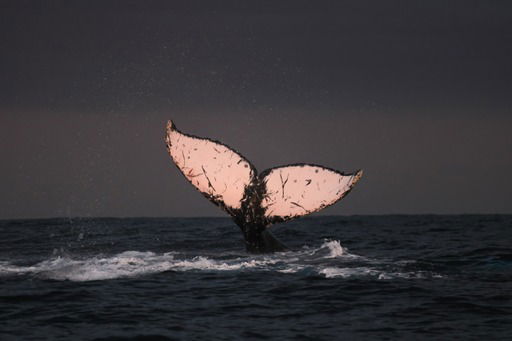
(415, 93)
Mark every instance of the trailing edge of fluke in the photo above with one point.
(255, 201)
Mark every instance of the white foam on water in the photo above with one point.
(331, 272)
(335, 248)
(332, 249)
(126, 264)
(204, 263)
(330, 260)
(292, 268)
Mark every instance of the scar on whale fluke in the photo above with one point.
(255, 201)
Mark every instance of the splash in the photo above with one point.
(330, 260)
(335, 248)
(126, 264)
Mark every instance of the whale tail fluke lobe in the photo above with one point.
(297, 190)
(217, 171)
(255, 201)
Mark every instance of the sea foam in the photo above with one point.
(330, 260)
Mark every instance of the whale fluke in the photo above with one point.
(255, 201)
(297, 190)
(216, 170)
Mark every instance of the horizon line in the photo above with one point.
(228, 217)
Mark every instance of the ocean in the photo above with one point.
(408, 277)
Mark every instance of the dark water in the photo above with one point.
(361, 277)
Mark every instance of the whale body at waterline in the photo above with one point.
(255, 201)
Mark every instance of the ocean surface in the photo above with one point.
(352, 278)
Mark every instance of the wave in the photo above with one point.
(330, 260)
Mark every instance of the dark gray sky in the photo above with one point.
(417, 93)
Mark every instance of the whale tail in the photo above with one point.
(255, 201)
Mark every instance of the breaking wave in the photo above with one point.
(330, 260)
